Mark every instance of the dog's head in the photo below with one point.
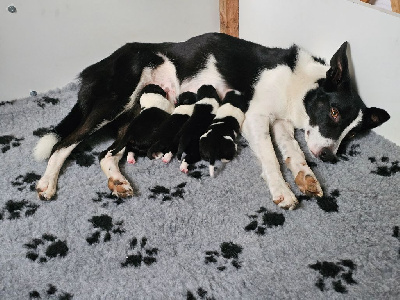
(336, 111)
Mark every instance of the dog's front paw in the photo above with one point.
(308, 184)
(46, 189)
(283, 196)
(120, 188)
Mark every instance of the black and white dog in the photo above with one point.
(203, 114)
(218, 143)
(284, 89)
(166, 138)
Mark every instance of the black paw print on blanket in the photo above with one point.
(264, 219)
(50, 293)
(42, 131)
(106, 198)
(26, 181)
(46, 100)
(397, 236)
(8, 141)
(84, 155)
(45, 248)
(104, 228)
(201, 293)
(353, 150)
(165, 194)
(340, 274)
(138, 254)
(229, 254)
(327, 203)
(384, 167)
(17, 209)
(197, 171)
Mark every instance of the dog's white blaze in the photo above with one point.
(217, 123)
(44, 146)
(209, 101)
(209, 75)
(149, 100)
(228, 110)
(185, 109)
(353, 124)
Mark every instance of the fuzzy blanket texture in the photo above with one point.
(192, 236)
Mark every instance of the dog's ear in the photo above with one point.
(338, 76)
(373, 117)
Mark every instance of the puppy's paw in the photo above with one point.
(308, 184)
(167, 157)
(184, 167)
(283, 196)
(45, 189)
(120, 188)
(131, 158)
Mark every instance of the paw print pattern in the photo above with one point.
(26, 181)
(201, 293)
(384, 167)
(106, 198)
(83, 155)
(16, 209)
(326, 203)
(105, 227)
(229, 255)
(397, 236)
(47, 100)
(166, 194)
(198, 171)
(45, 248)
(354, 150)
(42, 131)
(339, 274)
(8, 141)
(140, 254)
(51, 293)
(263, 220)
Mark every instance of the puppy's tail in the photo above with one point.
(211, 167)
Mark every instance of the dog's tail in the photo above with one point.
(45, 145)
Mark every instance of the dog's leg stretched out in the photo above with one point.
(256, 131)
(283, 132)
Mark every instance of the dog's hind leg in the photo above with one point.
(256, 131)
(283, 132)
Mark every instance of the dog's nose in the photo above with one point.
(326, 155)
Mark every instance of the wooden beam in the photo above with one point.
(229, 17)
(396, 6)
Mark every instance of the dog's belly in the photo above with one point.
(207, 76)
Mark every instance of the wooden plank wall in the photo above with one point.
(229, 17)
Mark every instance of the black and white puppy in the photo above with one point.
(203, 113)
(218, 143)
(166, 138)
(138, 137)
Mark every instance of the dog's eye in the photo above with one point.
(351, 135)
(335, 114)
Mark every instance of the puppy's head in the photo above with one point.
(186, 98)
(153, 95)
(336, 111)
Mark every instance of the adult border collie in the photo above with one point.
(284, 89)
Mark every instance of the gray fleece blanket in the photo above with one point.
(190, 236)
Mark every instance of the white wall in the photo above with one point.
(46, 43)
(321, 27)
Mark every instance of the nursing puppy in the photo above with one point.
(166, 138)
(218, 143)
(203, 113)
(155, 109)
